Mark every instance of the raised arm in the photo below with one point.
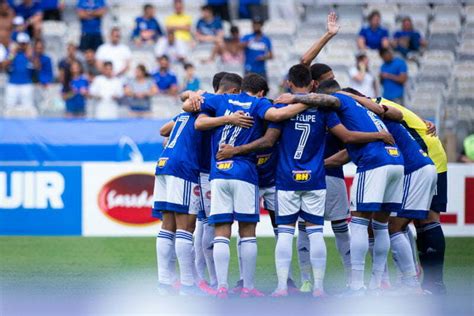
(388, 112)
(313, 51)
(268, 140)
(351, 137)
(205, 122)
(166, 129)
(311, 100)
(337, 160)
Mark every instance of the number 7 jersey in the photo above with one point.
(180, 157)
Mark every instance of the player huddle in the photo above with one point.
(234, 147)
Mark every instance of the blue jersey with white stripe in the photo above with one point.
(413, 156)
(301, 151)
(267, 163)
(333, 146)
(372, 155)
(180, 156)
(241, 167)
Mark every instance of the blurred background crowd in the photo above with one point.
(111, 59)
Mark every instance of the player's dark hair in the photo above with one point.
(353, 91)
(383, 51)
(317, 70)
(217, 79)
(234, 29)
(207, 8)
(300, 76)
(373, 14)
(230, 81)
(108, 64)
(164, 57)
(254, 83)
(186, 66)
(328, 86)
(148, 6)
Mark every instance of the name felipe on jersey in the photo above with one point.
(263, 159)
(301, 175)
(162, 162)
(224, 165)
(392, 151)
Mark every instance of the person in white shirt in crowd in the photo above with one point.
(174, 48)
(117, 53)
(107, 89)
(360, 77)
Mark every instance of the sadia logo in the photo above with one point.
(225, 165)
(128, 199)
(302, 176)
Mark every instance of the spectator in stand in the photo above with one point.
(19, 26)
(7, 14)
(90, 12)
(360, 77)
(114, 51)
(180, 23)
(19, 65)
(407, 40)
(393, 76)
(373, 36)
(229, 50)
(31, 11)
(248, 8)
(209, 28)
(52, 9)
(191, 82)
(42, 64)
(165, 79)
(75, 91)
(107, 89)
(147, 29)
(257, 49)
(220, 8)
(139, 91)
(64, 65)
(90, 65)
(172, 47)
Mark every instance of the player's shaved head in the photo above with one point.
(217, 79)
(255, 84)
(230, 83)
(328, 87)
(300, 76)
(353, 91)
(321, 72)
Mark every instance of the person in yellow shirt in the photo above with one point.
(179, 22)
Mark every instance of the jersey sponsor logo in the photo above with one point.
(302, 176)
(263, 159)
(245, 105)
(197, 190)
(128, 199)
(162, 162)
(392, 151)
(224, 165)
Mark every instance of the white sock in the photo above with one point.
(164, 250)
(207, 245)
(199, 261)
(411, 238)
(343, 245)
(283, 254)
(403, 258)
(381, 248)
(303, 253)
(184, 253)
(239, 258)
(248, 248)
(317, 255)
(359, 248)
(221, 260)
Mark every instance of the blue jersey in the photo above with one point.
(257, 46)
(165, 80)
(143, 24)
(301, 151)
(21, 69)
(77, 102)
(333, 146)
(180, 156)
(413, 156)
(206, 148)
(267, 163)
(240, 167)
(91, 26)
(368, 156)
(209, 28)
(45, 73)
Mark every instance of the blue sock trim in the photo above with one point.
(221, 240)
(166, 234)
(313, 230)
(248, 240)
(286, 230)
(360, 221)
(379, 226)
(182, 234)
(396, 234)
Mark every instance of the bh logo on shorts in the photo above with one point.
(392, 151)
(302, 176)
(162, 162)
(224, 165)
(262, 159)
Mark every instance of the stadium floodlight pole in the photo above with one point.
(332, 29)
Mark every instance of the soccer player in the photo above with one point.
(378, 184)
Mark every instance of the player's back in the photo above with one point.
(367, 156)
(333, 146)
(180, 157)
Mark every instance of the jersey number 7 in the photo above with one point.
(306, 129)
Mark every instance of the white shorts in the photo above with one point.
(233, 200)
(205, 195)
(418, 190)
(337, 202)
(379, 189)
(309, 205)
(174, 194)
(267, 195)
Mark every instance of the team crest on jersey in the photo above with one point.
(162, 162)
(262, 159)
(392, 151)
(302, 176)
(224, 165)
